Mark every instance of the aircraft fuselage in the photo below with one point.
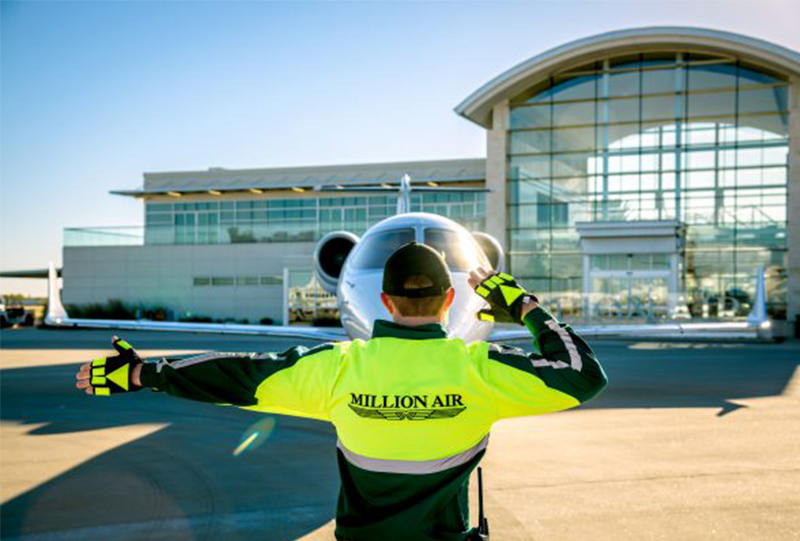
(360, 283)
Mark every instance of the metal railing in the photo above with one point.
(104, 236)
(172, 235)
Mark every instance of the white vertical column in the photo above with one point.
(605, 115)
(674, 285)
(680, 89)
(496, 174)
(285, 296)
(588, 308)
(793, 232)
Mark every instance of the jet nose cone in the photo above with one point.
(461, 320)
(361, 305)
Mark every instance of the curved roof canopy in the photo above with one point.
(478, 106)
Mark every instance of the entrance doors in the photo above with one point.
(628, 286)
(631, 269)
(630, 294)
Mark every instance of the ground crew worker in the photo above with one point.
(412, 408)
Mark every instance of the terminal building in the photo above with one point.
(646, 173)
(239, 244)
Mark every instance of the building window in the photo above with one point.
(551, 211)
(294, 220)
(698, 139)
(239, 281)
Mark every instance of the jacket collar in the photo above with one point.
(383, 328)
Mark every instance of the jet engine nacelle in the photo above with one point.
(329, 257)
(493, 250)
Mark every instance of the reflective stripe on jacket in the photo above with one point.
(412, 409)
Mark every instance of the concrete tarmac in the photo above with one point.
(691, 441)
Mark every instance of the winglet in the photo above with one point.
(56, 315)
(758, 315)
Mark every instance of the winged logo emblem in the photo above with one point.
(396, 414)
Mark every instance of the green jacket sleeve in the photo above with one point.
(563, 374)
(296, 382)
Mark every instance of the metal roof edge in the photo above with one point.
(128, 193)
(319, 168)
(474, 106)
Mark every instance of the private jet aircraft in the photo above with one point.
(352, 268)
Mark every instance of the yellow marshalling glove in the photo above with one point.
(505, 297)
(112, 375)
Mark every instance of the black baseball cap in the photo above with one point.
(414, 259)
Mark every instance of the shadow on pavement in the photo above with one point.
(182, 481)
(685, 375)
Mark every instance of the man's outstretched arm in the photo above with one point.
(295, 382)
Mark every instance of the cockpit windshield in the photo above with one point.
(375, 249)
(460, 250)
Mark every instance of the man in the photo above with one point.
(412, 408)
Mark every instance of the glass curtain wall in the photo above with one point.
(687, 137)
(294, 220)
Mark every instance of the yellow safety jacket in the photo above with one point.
(412, 410)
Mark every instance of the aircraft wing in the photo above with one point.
(722, 330)
(57, 316)
(333, 334)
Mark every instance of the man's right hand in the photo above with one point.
(508, 301)
(118, 374)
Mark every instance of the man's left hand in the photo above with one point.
(508, 301)
(111, 375)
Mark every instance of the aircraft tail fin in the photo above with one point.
(404, 196)
(56, 313)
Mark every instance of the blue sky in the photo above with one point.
(93, 94)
